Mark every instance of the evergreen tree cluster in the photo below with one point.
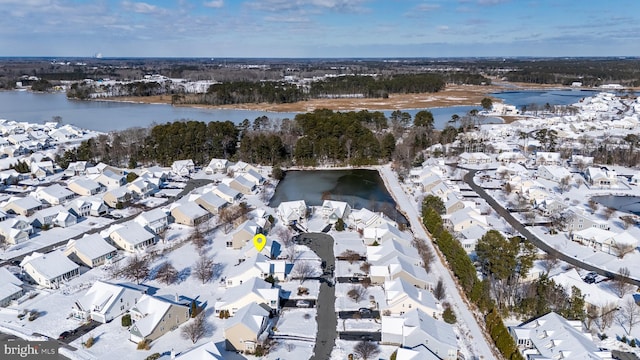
(377, 87)
(240, 92)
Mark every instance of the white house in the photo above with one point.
(333, 210)
(183, 167)
(254, 176)
(16, 230)
(111, 180)
(253, 291)
(402, 297)
(217, 166)
(553, 337)
(155, 220)
(601, 177)
(131, 236)
(475, 158)
(105, 301)
(382, 233)
(553, 172)
(257, 266)
(90, 250)
(211, 202)
(54, 194)
(154, 316)
(596, 238)
(291, 212)
(399, 268)
(80, 207)
(50, 269)
(25, 206)
(142, 188)
(10, 287)
(548, 158)
(416, 328)
(188, 213)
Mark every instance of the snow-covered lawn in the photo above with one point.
(359, 325)
(290, 289)
(343, 348)
(345, 303)
(291, 349)
(297, 323)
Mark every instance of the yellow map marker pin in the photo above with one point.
(259, 241)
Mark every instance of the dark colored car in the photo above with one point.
(65, 334)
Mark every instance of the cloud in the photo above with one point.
(425, 7)
(308, 6)
(216, 4)
(142, 7)
(491, 2)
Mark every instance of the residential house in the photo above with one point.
(117, 198)
(154, 316)
(428, 183)
(463, 219)
(76, 168)
(578, 220)
(188, 213)
(382, 233)
(9, 177)
(105, 301)
(90, 250)
(292, 212)
(601, 177)
(593, 294)
(65, 219)
(183, 167)
(206, 351)
(548, 158)
(155, 220)
(254, 176)
(84, 187)
(399, 268)
(228, 194)
(10, 287)
(54, 194)
(553, 337)
(416, 328)
(16, 230)
(142, 187)
(257, 266)
(365, 218)
(549, 206)
(453, 203)
(512, 157)
(41, 169)
(111, 180)
(244, 233)
(243, 185)
(333, 210)
(156, 172)
(474, 158)
(246, 330)
(50, 269)
(102, 168)
(402, 297)
(553, 173)
(596, 238)
(79, 208)
(253, 291)
(242, 167)
(581, 162)
(211, 202)
(217, 166)
(25, 206)
(98, 207)
(393, 248)
(3, 216)
(45, 217)
(131, 236)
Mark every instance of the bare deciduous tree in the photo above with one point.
(197, 238)
(622, 249)
(608, 212)
(620, 283)
(357, 293)
(303, 270)
(565, 184)
(203, 269)
(440, 290)
(195, 329)
(549, 262)
(366, 350)
(350, 256)
(167, 274)
(607, 315)
(628, 315)
(137, 268)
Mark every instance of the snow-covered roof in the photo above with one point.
(153, 309)
(243, 181)
(148, 217)
(417, 321)
(255, 285)
(50, 265)
(398, 289)
(252, 316)
(592, 293)
(132, 233)
(206, 351)
(92, 246)
(55, 191)
(85, 183)
(6, 277)
(102, 294)
(191, 210)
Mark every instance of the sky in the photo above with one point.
(320, 28)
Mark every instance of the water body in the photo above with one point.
(622, 203)
(359, 188)
(522, 98)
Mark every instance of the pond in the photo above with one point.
(622, 203)
(358, 187)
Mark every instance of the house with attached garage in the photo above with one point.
(601, 177)
(403, 297)
(254, 177)
(90, 250)
(110, 179)
(599, 239)
(154, 316)
(80, 207)
(183, 167)
(118, 198)
(188, 213)
(333, 210)
(217, 166)
(243, 234)
(243, 185)
(47, 217)
(253, 291)
(85, 187)
(50, 269)
(25, 206)
(548, 158)
(418, 329)
(246, 330)
(398, 268)
(553, 173)
(156, 220)
(76, 168)
(105, 301)
(207, 351)
(16, 230)
(211, 202)
(131, 236)
(10, 287)
(228, 194)
(383, 232)
(142, 188)
(257, 266)
(54, 194)
(291, 212)
(41, 169)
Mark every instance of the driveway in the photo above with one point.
(322, 245)
(506, 214)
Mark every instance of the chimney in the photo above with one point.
(420, 295)
(177, 298)
(173, 354)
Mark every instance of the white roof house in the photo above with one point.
(188, 213)
(390, 249)
(46, 216)
(54, 194)
(243, 332)
(599, 239)
(91, 250)
(402, 297)
(110, 180)
(399, 268)
(601, 177)
(48, 270)
(333, 210)
(553, 172)
(592, 293)
(253, 291)
(416, 328)
(553, 337)
(105, 301)
(131, 236)
(154, 316)
(25, 206)
(10, 287)
(228, 194)
(365, 218)
(382, 233)
(548, 158)
(474, 158)
(256, 266)
(217, 166)
(155, 220)
(80, 207)
(254, 176)
(183, 167)
(16, 230)
(211, 202)
(142, 187)
(206, 351)
(291, 212)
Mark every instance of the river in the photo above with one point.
(109, 116)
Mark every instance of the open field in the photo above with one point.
(451, 96)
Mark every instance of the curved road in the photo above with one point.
(535, 240)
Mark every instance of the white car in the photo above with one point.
(302, 304)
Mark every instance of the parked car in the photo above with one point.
(364, 311)
(302, 304)
(354, 279)
(65, 334)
